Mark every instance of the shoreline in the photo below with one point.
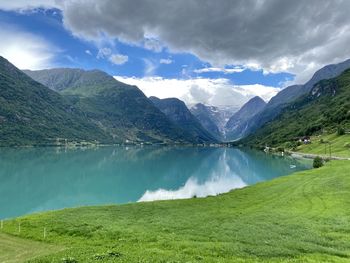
(312, 156)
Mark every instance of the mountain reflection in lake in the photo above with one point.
(39, 179)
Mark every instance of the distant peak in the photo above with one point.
(256, 98)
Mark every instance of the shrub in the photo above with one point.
(280, 149)
(318, 162)
(340, 131)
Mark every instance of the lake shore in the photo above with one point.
(312, 156)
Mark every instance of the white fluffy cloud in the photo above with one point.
(223, 70)
(118, 59)
(216, 92)
(25, 50)
(104, 52)
(165, 61)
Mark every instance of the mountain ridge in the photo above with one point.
(237, 124)
(323, 110)
(32, 114)
(120, 109)
(276, 105)
(177, 111)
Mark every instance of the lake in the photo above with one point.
(40, 179)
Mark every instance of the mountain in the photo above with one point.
(32, 114)
(122, 110)
(237, 124)
(209, 117)
(276, 105)
(178, 113)
(323, 109)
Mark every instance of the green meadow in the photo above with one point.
(304, 217)
(328, 145)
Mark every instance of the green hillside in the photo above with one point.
(322, 111)
(32, 114)
(327, 145)
(121, 110)
(303, 217)
(279, 103)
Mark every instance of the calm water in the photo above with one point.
(41, 179)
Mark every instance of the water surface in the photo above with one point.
(39, 179)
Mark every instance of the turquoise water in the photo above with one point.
(39, 179)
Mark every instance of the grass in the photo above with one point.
(14, 249)
(304, 217)
(340, 145)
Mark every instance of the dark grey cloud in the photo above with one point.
(276, 35)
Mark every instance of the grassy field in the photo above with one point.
(14, 249)
(339, 145)
(303, 217)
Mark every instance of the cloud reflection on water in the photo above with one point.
(218, 182)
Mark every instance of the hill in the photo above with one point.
(277, 104)
(179, 114)
(32, 114)
(122, 110)
(323, 110)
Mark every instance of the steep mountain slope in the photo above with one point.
(120, 109)
(237, 124)
(32, 114)
(323, 109)
(289, 94)
(209, 117)
(177, 111)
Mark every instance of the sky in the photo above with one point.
(220, 53)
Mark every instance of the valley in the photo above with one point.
(161, 131)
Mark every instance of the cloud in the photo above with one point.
(88, 52)
(223, 70)
(165, 61)
(104, 53)
(25, 50)
(23, 5)
(293, 36)
(153, 44)
(118, 59)
(216, 92)
(150, 67)
(107, 53)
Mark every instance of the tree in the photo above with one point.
(318, 162)
(340, 131)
